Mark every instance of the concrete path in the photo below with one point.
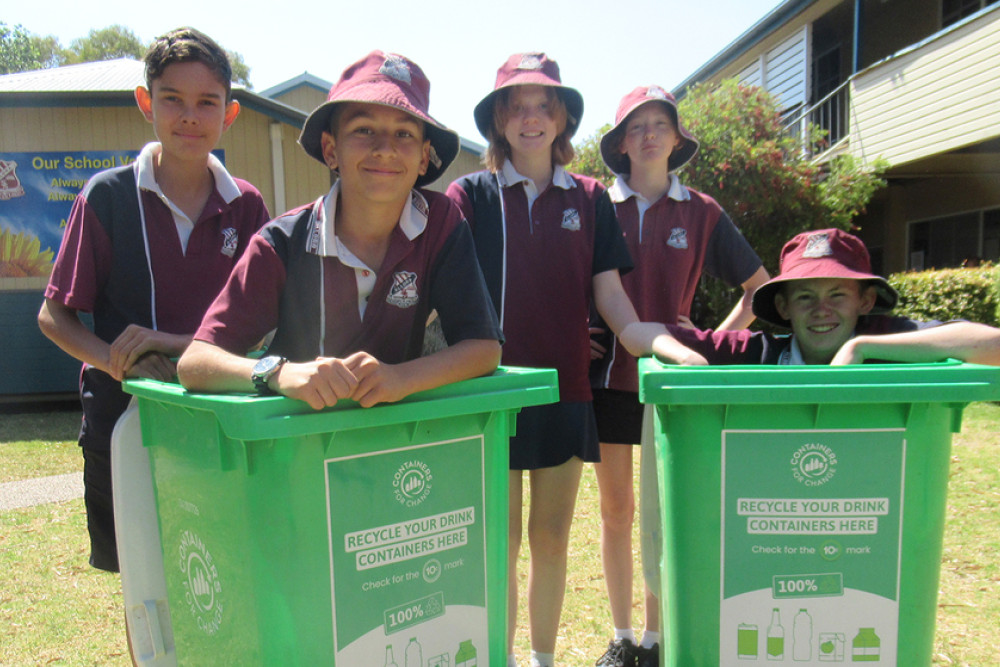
(28, 492)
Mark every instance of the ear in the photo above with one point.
(232, 111)
(868, 297)
(781, 304)
(144, 99)
(329, 146)
(425, 157)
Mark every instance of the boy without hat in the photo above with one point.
(674, 234)
(348, 282)
(146, 249)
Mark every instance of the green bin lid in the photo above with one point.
(944, 382)
(251, 417)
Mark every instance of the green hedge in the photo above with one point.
(948, 294)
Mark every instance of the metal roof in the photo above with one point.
(103, 76)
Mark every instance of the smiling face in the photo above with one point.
(188, 109)
(650, 137)
(532, 120)
(379, 151)
(823, 313)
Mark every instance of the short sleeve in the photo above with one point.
(458, 291)
(246, 309)
(610, 251)
(729, 256)
(82, 266)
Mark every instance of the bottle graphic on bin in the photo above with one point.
(414, 654)
(390, 661)
(802, 631)
(775, 638)
(466, 656)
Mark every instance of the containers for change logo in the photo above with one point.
(814, 464)
(202, 589)
(412, 483)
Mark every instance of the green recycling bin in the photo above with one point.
(803, 507)
(344, 537)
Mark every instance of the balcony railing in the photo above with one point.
(828, 114)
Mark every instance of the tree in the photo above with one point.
(754, 168)
(17, 51)
(241, 73)
(109, 43)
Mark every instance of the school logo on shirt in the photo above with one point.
(817, 245)
(678, 238)
(230, 239)
(403, 292)
(571, 220)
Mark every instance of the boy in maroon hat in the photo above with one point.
(549, 246)
(347, 283)
(674, 234)
(837, 311)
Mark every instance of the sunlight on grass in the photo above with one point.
(57, 610)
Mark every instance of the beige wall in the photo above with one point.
(942, 96)
(247, 143)
(303, 98)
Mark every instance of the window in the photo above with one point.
(953, 11)
(953, 241)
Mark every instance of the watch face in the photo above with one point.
(266, 365)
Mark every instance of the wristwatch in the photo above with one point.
(264, 370)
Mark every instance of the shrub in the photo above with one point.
(948, 294)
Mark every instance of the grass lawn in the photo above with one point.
(56, 610)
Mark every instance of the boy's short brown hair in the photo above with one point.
(185, 45)
(499, 150)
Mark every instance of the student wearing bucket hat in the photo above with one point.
(347, 283)
(837, 310)
(674, 234)
(548, 243)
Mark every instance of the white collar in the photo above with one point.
(620, 190)
(146, 175)
(508, 176)
(791, 355)
(412, 221)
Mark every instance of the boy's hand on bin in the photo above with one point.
(154, 366)
(320, 383)
(377, 382)
(137, 342)
(669, 349)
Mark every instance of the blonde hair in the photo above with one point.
(498, 151)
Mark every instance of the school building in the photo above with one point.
(911, 81)
(59, 126)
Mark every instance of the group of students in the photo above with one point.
(174, 257)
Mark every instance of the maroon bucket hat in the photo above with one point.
(617, 161)
(390, 80)
(527, 69)
(824, 253)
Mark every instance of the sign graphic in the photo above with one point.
(811, 545)
(409, 572)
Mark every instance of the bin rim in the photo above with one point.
(251, 417)
(948, 381)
